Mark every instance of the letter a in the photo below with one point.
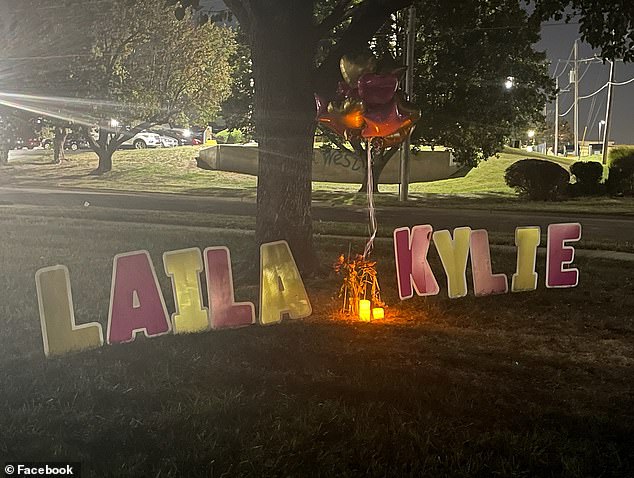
(281, 287)
(60, 333)
(412, 269)
(136, 301)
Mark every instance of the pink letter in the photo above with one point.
(410, 252)
(484, 281)
(559, 255)
(224, 311)
(136, 302)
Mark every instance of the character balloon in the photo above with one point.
(369, 107)
(369, 104)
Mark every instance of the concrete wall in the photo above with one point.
(332, 165)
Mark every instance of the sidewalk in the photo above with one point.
(597, 229)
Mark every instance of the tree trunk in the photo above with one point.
(61, 133)
(283, 53)
(378, 165)
(105, 161)
(4, 156)
(104, 152)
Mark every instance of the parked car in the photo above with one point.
(144, 139)
(184, 136)
(72, 142)
(30, 143)
(169, 142)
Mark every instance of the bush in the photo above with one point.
(235, 136)
(619, 152)
(588, 175)
(230, 137)
(537, 179)
(621, 172)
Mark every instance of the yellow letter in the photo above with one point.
(184, 268)
(57, 317)
(526, 239)
(281, 287)
(454, 255)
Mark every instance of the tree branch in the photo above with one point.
(121, 138)
(341, 12)
(243, 12)
(367, 18)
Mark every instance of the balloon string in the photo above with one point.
(372, 212)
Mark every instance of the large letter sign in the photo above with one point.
(454, 254)
(484, 281)
(525, 278)
(136, 301)
(225, 313)
(137, 304)
(559, 255)
(281, 288)
(60, 333)
(184, 267)
(413, 272)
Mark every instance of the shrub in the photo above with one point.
(619, 152)
(230, 137)
(537, 179)
(235, 136)
(588, 175)
(621, 172)
(222, 136)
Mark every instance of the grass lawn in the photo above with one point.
(175, 171)
(525, 385)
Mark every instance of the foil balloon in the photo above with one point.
(378, 89)
(369, 104)
(354, 67)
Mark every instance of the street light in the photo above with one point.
(601, 125)
(509, 83)
(531, 136)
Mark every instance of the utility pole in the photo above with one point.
(557, 117)
(576, 76)
(403, 191)
(608, 114)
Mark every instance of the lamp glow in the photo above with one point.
(365, 310)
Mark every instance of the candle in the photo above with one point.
(364, 310)
(378, 313)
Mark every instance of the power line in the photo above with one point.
(622, 83)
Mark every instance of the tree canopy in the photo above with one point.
(607, 25)
(132, 62)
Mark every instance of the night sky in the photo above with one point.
(557, 41)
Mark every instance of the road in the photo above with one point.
(595, 228)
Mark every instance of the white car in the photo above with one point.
(144, 139)
(168, 142)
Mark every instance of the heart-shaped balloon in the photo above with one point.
(354, 67)
(377, 89)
